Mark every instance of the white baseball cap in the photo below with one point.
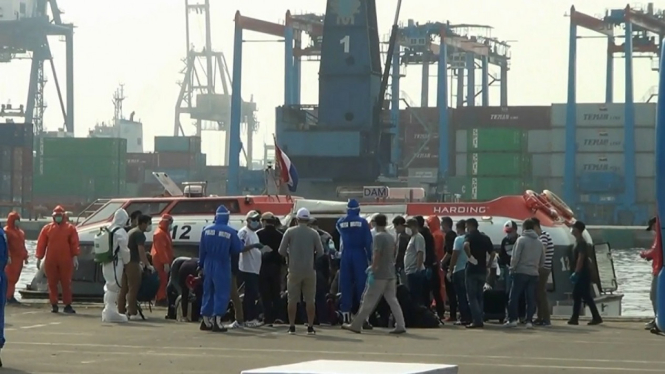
(303, 213)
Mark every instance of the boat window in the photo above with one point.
(103, 214)
(204, 207)
(150, 208)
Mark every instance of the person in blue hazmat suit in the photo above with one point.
(218, 243)
(4, 259)
(356, 243)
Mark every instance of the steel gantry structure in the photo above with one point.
(198, 96)
(24, 33)
(292, 32)
(643, 30)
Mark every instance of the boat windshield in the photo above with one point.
(150, 208)
(104, 213)
(204, 206)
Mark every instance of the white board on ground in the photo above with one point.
(355, 367)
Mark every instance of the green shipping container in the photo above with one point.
(485, 189)
(191, 144)
(88, 187)
(83, 147)
(496, 140)
(498, 164)
(83, 166)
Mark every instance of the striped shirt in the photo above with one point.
(546, 239)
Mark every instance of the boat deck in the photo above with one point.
(39, 342)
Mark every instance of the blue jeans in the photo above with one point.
(522, 283)
(415, 282)
(474, 290)
(459, 283)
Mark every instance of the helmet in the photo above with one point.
(510, 226)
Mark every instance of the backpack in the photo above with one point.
(103, 249)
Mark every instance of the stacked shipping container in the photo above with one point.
(179, 157)
(419, 137)
(599, 159)
(16, 168)
(80, 170)
(491, 157)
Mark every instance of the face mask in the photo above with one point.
(254, 225)
(170, 227)
(57, 219)
(17, 224)
(408, 231)
(149, 228)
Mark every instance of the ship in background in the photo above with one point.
(120, 127)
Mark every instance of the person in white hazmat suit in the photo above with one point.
(112, 271)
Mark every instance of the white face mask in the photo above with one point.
(148, 229)
(408, 231)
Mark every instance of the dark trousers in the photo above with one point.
(582, 292)
(523, 285)
(416, 282)
(322, 288)
(249, 306)
(270, 282)
(452, 294)
(474, 291)
(459, 282)
(434, 287)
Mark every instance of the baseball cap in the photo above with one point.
(509, 226)
(253, 215)
(302, 213)
(267, 216)
(651, 223)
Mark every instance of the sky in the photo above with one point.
(141, 44)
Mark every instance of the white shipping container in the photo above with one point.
(645, 165)
(539, 141)
(461, 163)
(604, 115)
(555, 185)
(594, 140)
(461, 141)
(646, 190)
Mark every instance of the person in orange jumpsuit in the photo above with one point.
(437, 281)
(18, 254)
(162, 256)
(58, 246)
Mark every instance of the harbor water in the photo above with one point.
(633, 276)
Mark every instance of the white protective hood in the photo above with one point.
(121, 238)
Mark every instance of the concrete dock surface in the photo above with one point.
(40, 342)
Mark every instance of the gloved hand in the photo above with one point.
(643, 254)
(487, 287)
(370, 277)
(9, 260)
(473, 261)
(75, 262)
(150, 268)
(39, 264)
(368, 270)
(257, 246)
(428, 273)
(449, 276)
(167, 268)
(574, 277)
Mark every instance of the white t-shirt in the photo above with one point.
(250, 261)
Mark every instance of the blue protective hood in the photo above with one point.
(222, 215)
(353, 208)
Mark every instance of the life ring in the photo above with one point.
(559, 205)
(536, 202)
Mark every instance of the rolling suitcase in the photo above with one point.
(494, 305)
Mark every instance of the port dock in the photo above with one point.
(40, 342)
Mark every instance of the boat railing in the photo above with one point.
(91, 209)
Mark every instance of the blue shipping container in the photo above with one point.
(16, 134)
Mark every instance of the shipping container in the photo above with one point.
(83, 166)
(484, 188)
(190, 144)
(83, 147)
(176, 160)
(599, 162)
(215, 173)
(541, 165)
(16, 135)
(177, 175)
(594, 140)
(524, 117)
(495, 140)
(424, 158)
(605, 115)
(132, 190)
(492, 164)
(555, 185)
(148, 160)
(645, 165)
(135, 173)
(646, 190)
(552, 164)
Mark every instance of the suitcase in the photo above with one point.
(494, 305)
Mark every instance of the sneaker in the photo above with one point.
(253, 323)
(13, 301)
(510, 324)
(573, 322)
(236, 325)
(450, 319)
(474, 326)
(595, 322)
(135, 317)
(310, 330)
(349, 327)
(649, 325)
(545, 324)
(397, 331)
(292, 330)
(69, 310)
(54, 308)
(367, 326)
(529, 325)
(218, 327)
(278, 322)
(204, 326)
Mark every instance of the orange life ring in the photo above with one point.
(559, 205)
(536, 202)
